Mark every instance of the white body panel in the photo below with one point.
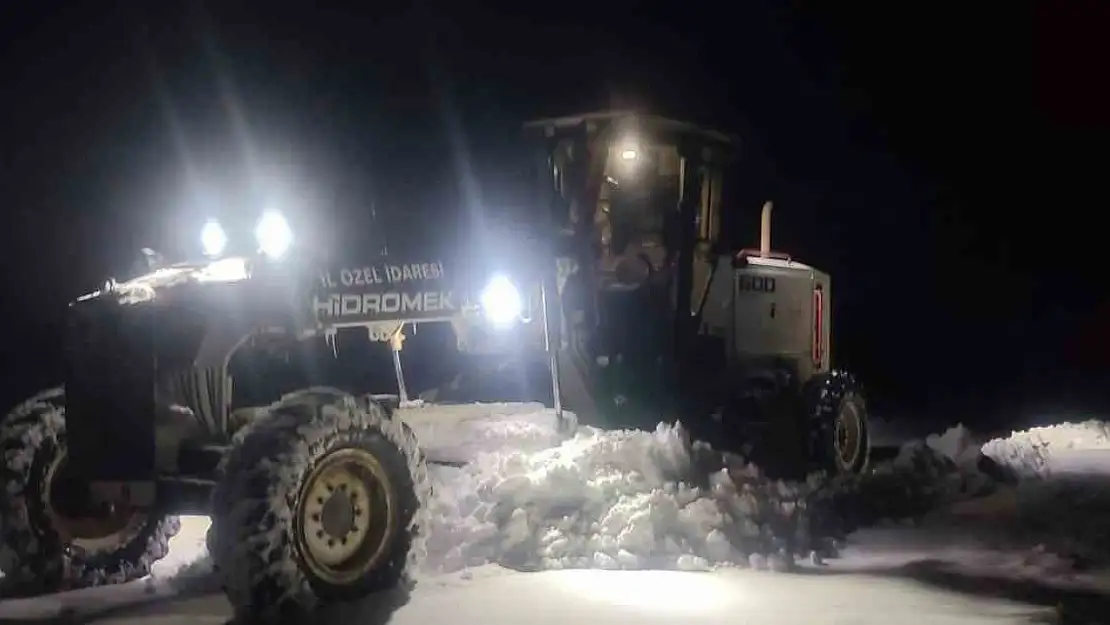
(771, 309)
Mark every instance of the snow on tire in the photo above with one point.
(319, 500)
(34, 555)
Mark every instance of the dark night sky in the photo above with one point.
(941, 161)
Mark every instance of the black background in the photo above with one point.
(944, 161)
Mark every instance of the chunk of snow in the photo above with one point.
(957, 444)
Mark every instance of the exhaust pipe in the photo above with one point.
(765, 231)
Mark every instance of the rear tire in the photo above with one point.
(318, 501)
(842, 432)
(851, 441)
(38, 554)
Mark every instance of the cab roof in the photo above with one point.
(551, 124)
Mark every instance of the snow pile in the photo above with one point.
(1022, 501)
(1051, 511)
(617, 499)
(925, 475)
(600, 499)
(954, 466)
(1024, 454)
(530, 498)
(1030, 452)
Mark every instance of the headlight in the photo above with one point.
(273, 234)
(501, 302)
(213, 239)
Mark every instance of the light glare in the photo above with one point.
(274, 235)
(224, 270)
(501, 301)
(213, 239)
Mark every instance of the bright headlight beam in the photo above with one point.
(501, 301)
(273, 234)
(224, 270)
(213, 239)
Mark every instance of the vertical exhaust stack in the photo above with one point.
(765, 230)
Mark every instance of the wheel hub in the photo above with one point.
(847, 436)
(345, 516)
(338, 515)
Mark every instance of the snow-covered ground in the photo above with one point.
(492, 597)
(694, 533)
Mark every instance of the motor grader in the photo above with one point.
(621, 289)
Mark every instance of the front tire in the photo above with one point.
(317, 502)
(43, 550)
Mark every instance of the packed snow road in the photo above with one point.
(643, 526)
